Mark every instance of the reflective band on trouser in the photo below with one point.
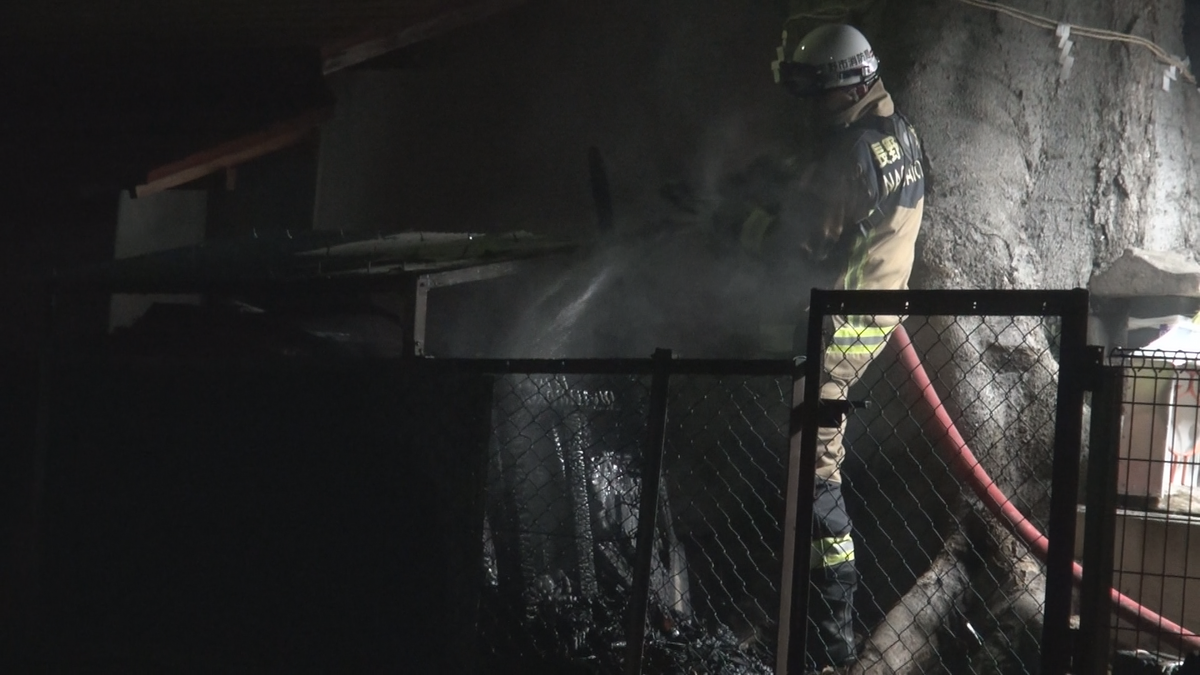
(831, 552)
(850, 339)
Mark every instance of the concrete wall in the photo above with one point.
(269, 195)
(1156, 562)
(157, 222)
(489, 128)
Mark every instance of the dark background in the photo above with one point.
(86, 110)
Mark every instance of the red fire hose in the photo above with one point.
(962, 461)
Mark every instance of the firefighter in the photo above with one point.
(857, 209)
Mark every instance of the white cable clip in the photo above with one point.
(780, 57)
(1064, 45)
(1065, 60)
(1064, 34)
(1169, 76)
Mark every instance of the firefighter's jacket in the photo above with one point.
(860, 205)
(863, 205)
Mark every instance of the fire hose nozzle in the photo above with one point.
(832, 412)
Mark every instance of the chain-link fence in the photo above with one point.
(537, 481)
(726, 456)
(941, 452)
(1153, 535)
(954, 460)
(572, 457)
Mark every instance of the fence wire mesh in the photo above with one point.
(563, 495)
(1156, 559)
(725, 471)
(943, 583)
(946, 478)
(562, 517)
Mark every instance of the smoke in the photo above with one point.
(686, 102)
(682, 287)
(674, 276)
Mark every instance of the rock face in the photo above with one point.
(1036, 180)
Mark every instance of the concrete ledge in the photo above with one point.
(1139, 272)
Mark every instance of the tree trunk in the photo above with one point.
(906, 641)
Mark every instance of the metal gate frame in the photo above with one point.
(1100, 601)
(1100, 523)
(1076, 363)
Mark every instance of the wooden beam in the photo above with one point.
(366, 47)
(232, 153)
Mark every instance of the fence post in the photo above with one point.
(1068, 438)
(788, 579)
(1095, 593)
(652, 462)
(790, 654)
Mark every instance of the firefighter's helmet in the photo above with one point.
(830, 57)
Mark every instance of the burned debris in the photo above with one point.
(564, 493)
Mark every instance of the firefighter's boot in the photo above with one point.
(834, 578)
(832, 613)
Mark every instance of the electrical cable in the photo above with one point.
(1095, 33)
(833, 11)
(838, 11)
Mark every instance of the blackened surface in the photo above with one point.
(78, 120)
(274, 518)
(558, 585)
(273, 194)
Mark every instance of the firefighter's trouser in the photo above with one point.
(856, 342)
(834, 579)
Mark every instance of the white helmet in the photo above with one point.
(829, 57)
